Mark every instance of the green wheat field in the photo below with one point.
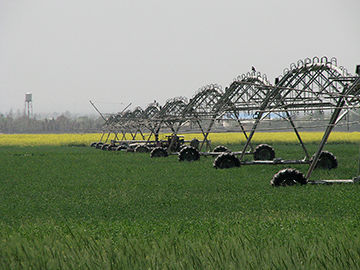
(65, 207)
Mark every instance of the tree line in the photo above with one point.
(15, 123)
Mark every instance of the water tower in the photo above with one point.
(28, 105)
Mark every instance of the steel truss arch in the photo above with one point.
(239, 100)
(200, 108)
(203, 101)
(310, 84)
(151, 110)
(173, 108)
(244, 94)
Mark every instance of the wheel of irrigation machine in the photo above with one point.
(189, 153)
(99, 145)
(327, 160)
(226, 161)
(93, 144)
(182, 147)
(158, 152)
(264, 152)
(221, 149)
(195, 143)
(105, 146)
(111, 147)
(124, 144)
(121, 147)
(142, 149)
(288, 177)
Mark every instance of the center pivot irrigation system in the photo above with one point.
(312, 94)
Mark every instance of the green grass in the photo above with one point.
(82, 208)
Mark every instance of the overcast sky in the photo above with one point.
(67, 52)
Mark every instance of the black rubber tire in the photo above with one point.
(133, 145)
(189, 153)
(226, 161)
(124, 144)
(264, 152)
(121, 147)
(99, 145)
(93, 144)
(142, 149)
(288, 177)
(221, 149)
(105, 146)
(158, 152)
(326, 161)
(195, 143)
(182, 147)
(111, 147)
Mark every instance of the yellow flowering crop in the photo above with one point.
(216, 138)
(47, 139)
(284, 137)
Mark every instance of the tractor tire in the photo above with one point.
(327, 161)
(121, 147)
(221, 149)
(124, 144)
(264, 152)
(189, 153)
(183, 146)
(142, 149)
(226, 161)
(288, 177)
(158, 152)
(111, 147)
(105, 146)
(195, 143)
(99, 145)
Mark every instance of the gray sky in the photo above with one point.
(118, 51)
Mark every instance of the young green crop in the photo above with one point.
(81, 208)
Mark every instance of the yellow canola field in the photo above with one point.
(216, 138)
(284, 137)
(47, 139)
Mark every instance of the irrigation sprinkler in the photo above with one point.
(142, 121)
(175, 114)
(210, 105)
(198, 112)
(129, 124)
(152, 119)
(109, 121)
(169, 117)
(190, 115)
(285, 177)
(132, 123)
(311, 85)
(199, 109)
(203, 108)
(239, 100)
(238, 104)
